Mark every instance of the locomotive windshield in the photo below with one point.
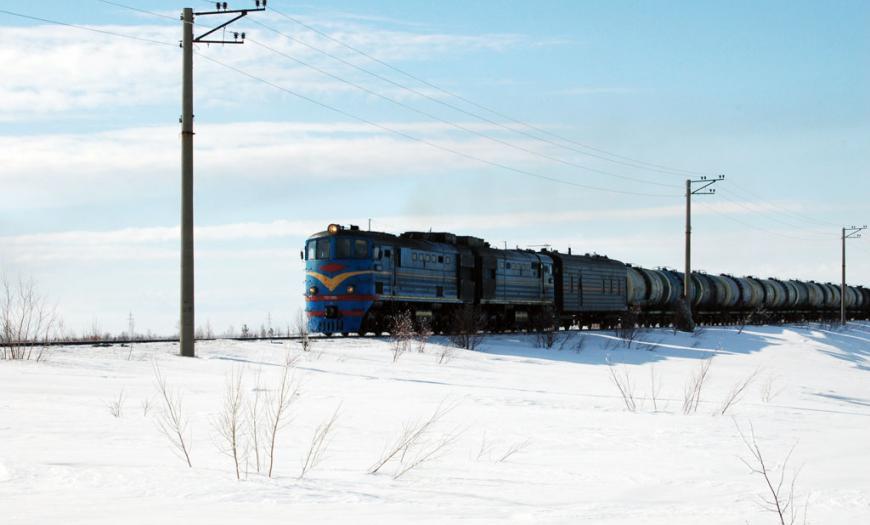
(318, 249)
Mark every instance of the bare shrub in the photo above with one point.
(319, 443)
(27, 322)
(278, 406)
(253, 409)
(446, 354)
(779, 496)
(424, 332)
(229, 423)
(692, 390)
(467, 324)
(734, 395)
(146, 406)
(401, 333)
(116, 405)
(628, 330)
(172, 421)
(546, 338)
(413, 446)
(485, 447)
(513, 449)
(302, 331)
(622, 380)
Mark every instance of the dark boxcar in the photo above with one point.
(587, 285)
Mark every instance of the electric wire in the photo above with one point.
(85, 28)
(144, 11)
(770, 209)
(761, 212)
(511, 129)
(424, 141)
(450, 123)
(713, 210)
(660, 167)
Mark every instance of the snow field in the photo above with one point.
(580, 455)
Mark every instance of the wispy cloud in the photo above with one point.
(116, 244)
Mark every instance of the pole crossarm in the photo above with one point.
(704, 184)
(853, 232)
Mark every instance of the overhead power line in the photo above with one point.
(423, 94)
(427, 142)
(455, 125)
(85, 28)
(657, 167)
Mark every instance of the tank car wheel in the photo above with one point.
(345, 334)
(327, 334)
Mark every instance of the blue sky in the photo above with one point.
(773, 94)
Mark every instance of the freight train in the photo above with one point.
(357, 280)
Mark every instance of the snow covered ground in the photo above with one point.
(580, 454)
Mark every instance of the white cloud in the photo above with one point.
(50, 69)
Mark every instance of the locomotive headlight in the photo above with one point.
(351, 289)
(312, 290)
(333, 228)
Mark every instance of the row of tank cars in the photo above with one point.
(357, 280)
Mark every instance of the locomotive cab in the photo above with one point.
(339, 279)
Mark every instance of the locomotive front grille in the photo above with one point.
(331, 325)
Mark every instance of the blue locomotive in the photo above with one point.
(356, 280)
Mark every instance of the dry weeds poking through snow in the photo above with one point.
(546, 437)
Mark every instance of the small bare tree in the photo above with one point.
(692, 390)
(254, 410)
(736, 392)
(424, 332)
(172, 420)
(467, 324)
(401, 333)
(780, 497)
(302, 331)
(319, 444)
(27, 322)
(411, 437)
(623, 383)
(513, 449)
(278, 407)
(627, 329)
(229, 423)
(116, 405)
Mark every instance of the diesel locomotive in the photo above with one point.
(356, 280)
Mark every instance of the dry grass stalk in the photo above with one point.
(172, 421)
(278, 407)
(116, 406)
(692, 391)
(626, 388)
(319, 444)
(780, 497)
(736, 392)
(412, 434)
(229, 423)
(513, 449)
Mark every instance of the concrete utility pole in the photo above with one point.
(186, 330)
(702, 184)
(851, 232)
